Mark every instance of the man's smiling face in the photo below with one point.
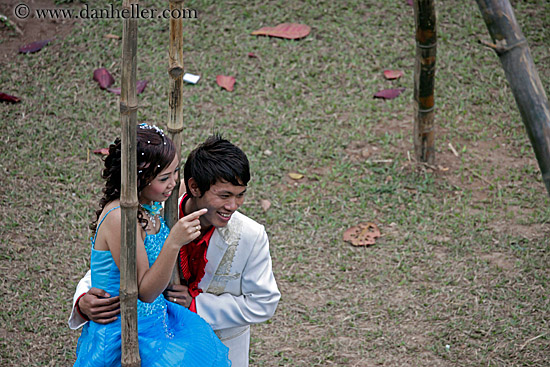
(222, 200)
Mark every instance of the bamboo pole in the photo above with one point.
(424, 80)
(128, 195)
(175, 120)
(515, 57)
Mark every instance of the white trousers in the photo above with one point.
(238, 341)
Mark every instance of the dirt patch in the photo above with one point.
(529, 232)
(499, 260)
(20, 32)
(483, 167)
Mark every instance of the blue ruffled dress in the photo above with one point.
(169, 334)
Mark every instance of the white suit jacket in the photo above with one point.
(239, 288)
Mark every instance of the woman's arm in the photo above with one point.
(153, 279)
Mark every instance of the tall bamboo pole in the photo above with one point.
(515, 57)
(128, 195)
(424, 80)
(175, 121)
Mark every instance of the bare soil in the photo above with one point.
(29, 30)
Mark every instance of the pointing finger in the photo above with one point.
(195, 215)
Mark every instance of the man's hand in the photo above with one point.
(178, 294)
(99, 306)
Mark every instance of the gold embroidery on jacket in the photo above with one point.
(231, 234)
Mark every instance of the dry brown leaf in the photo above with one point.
(393, 74)
(295, 176)
(412, 190)
(9, 98)
(265, 204)
(364, 234)
(112, 36)
(226, 82)
(286, 30)
(102, 151)
(33, 46)
(389, 93)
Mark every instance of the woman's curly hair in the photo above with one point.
(155, 152)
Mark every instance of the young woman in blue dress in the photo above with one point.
(169, 334)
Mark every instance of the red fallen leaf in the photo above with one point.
(389, 93)
(33, 46)
(393, 74)
(9, 98)
(114, 90)
(252, 55)
(103, 77)
(226, 82)
(364, 234)
(140, 87)
(102, 151)
(410, 2)
(286, 30)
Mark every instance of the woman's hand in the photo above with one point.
(154, 279)
(186, 229)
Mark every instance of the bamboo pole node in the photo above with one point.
(126, 109)
(129, 204)
(421, 45)
(176, 71)
(426, 110)
(125, 293)
(427, 131)
(487, 44)
(507, 48)
(172, 130)
(501, 47)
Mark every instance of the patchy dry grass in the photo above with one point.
(460, 275)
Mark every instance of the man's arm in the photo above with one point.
(259, 298)
(84, 285)
(178, 293)
(92, 303)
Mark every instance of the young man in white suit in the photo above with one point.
(226, 273)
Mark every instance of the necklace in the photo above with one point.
(152, 211)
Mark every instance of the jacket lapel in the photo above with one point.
(221, 250)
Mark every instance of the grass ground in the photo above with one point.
(460, 274)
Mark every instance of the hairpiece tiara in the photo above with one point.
(145, 126)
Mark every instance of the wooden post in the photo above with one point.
(515, 57)
(128, 195)
(175, 121)
(424, 80)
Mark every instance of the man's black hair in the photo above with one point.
(216, 160)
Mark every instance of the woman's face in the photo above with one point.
(160, 188)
